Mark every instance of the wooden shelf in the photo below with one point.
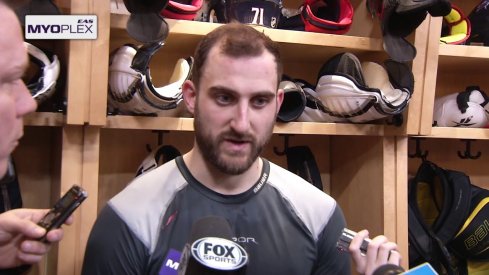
(463, 58)
(45, 119)
(464, 51)
(307, 128)
(459, 133)
(184, 36)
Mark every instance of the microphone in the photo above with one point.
(388, 269)
(211, 250)
(392, 269)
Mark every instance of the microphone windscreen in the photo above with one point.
(211, 251)
(388, 269)
(211, 226)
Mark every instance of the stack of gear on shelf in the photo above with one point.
(131, 89)
(323, 16)
(254, 12)
(399, 18)
(448, 220)
(348, 90)
(469, 108)
(479, 19)
(456, 27)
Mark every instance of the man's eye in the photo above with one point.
(223, 99)
(260, 101)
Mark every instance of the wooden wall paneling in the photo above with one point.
(357, 180)
(71, 173)
(366, 183)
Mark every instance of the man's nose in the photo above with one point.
(241, 120)
(25, 103)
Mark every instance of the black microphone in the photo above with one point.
(388, 269)
(211, 251)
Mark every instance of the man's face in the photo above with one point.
(235, 109)
(15, 99)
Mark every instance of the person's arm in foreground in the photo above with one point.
(19, 234)
(380, 251)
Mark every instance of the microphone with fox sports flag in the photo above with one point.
(211, 250)
(392, 269)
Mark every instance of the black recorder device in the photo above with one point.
(63, 208)
(345, 240)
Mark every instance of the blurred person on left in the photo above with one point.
(19, 232)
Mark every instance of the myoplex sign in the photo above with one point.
(61, 27)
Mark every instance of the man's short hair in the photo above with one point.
(235, 40)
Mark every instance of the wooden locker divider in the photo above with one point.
(99, 64)
(90, 180)
(429, 84)
(78, 77)
(71, 173)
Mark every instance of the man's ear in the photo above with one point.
(280, 99)
(189, 95)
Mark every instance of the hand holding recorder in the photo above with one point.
(368, 254)
(24, 235)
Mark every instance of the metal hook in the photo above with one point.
(286, 145)
(467, 154)
(160, 139)
(418, 153)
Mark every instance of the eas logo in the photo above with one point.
(85, 21)
(220, 254)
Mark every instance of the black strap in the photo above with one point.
(300, 161)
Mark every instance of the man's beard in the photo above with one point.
(211, 152)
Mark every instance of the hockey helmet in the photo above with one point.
(157, 157)
(186, 10)
(456, 27)
(254, 12)
(327, 16)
